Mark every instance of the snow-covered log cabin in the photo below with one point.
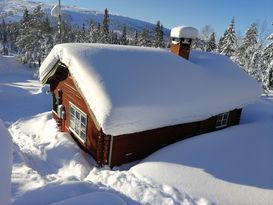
(121, 103)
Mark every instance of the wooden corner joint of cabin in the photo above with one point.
(104, 149)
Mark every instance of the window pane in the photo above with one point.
(83, 136)
(72, 125)
(78, 122)
(72, 111)
(83, 120)
(77, 115)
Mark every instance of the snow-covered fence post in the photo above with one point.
(6, 165)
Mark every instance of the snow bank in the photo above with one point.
(48, 167)
(184, 32)
(96, 198)
(132, 89)
(138, 188)
(6, 164)
(232, 166)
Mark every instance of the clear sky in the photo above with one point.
(198, 13)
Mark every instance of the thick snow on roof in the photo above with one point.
(132, 89)
(184, 32)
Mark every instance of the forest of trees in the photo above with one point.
(35, 35)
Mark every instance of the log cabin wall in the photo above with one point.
(63, 82)
(130, 147)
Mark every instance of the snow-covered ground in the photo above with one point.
(232, 166)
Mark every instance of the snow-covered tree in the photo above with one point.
(159, 36)
(105, 27)
(227, 46)
(144, 38)
(248, 48)
(34, 34)
(267, 65)
(136, 40)
(4, 37)
(211, 43)
(114, 38)
(81, 36)
(123, 38)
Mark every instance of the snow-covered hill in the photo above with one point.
(12, 10)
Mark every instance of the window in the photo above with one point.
(54, 103)
(222, 120)
(78, 122)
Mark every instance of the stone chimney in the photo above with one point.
(182, 37)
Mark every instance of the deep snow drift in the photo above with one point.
(232, 166)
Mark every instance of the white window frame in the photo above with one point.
(78, 122)
(222, 120)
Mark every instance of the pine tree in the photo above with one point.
(267, 66)
(228, 42)
(3, 36)
(93, 33)
(245, 52)
(114, 38)
(81, 36)
(159, 36)
(123, 39)
(211, 43)
(105, 27)
(144, 39)
(23, 41)
(34, 33)
(136, 40)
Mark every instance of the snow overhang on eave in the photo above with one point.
(50, 73)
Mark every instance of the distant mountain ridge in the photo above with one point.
(12, 10)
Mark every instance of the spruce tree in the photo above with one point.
(228, 42)
(144, 39)
(246, 51)
(93, 33)
(123, 39)
(136, 40)
(159, 36)
(267, 65)
(3, 36)
(211, 43)
(34, 37)
(105, 27)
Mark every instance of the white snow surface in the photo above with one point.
(132, 89)
(48, 166)
(232, 165)
(97, 198)
(6, 164)
(184, 32)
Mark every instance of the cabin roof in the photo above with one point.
(132, 89)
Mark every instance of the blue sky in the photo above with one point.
(198, 13)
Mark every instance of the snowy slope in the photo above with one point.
(13, 10)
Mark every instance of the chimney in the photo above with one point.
(182, 37)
